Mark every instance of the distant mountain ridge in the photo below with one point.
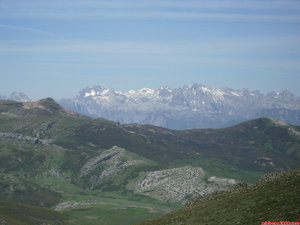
(187, 107)
(17, 96)
(190, 106)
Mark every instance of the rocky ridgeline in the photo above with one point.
(108, 163)
(177, 184)
(113, 153)
(190, 106)
(117, 166)
(32, 140)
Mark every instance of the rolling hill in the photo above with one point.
(91, 169)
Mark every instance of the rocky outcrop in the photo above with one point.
(107, 164)
(178, 184)
(32, 140)
(114, 153)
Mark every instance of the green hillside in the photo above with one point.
(275, 198)
(52, 157)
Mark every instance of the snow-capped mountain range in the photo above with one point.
(187, 107)
(190, 106)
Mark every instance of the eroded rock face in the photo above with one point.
(177, 184)
(107, 164)
(114, 160)
(112, 154)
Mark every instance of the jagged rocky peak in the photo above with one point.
(165, 91)
(19, 96)
(95, 91)
(141, 93)
(282, 95)
(189, 106)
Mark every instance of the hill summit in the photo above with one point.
(43, 106)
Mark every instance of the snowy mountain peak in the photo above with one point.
(235, 93)
(165, 92)
(214, 92)
(147, 91)
(285, 93)
(143, 92)
(91, 93)
(190, 106)
(95, 91)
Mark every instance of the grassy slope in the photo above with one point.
(19, 163)
(221, 152)
(116, 209)
(244, 152)
(12, 213)
(274, 199)
(235, 150)
(24, 179)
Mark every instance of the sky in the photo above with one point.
(54, 48)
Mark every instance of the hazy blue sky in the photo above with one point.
(57, 47)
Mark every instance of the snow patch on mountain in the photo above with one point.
(92, 93)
